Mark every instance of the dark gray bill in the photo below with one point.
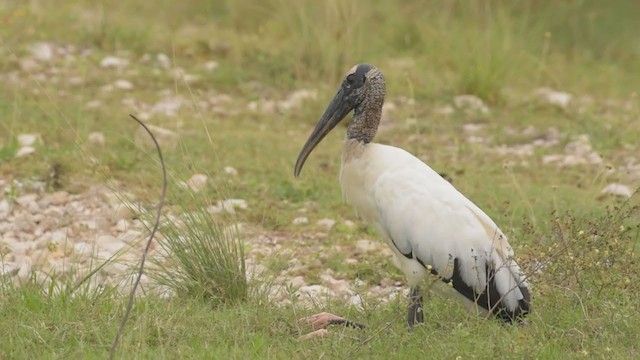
(337, 110)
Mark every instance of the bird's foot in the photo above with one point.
(319, 323)
(416, 316)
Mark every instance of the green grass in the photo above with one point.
(585, 303)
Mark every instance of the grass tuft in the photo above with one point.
(203, 259)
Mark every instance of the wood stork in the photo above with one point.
(429, 225)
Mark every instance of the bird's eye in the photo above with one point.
(350, 80)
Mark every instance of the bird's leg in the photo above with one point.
(415, 307)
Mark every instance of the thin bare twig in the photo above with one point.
(116, 341)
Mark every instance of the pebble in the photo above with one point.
(553, 97)
(297, 282)
(365, 246)
(113, 62)
(326, 223)
(616, 189)
(24, 151)
(230, 171)
(96, 138)
(42, 51)
(123, 84)
(471, 104)
(167, 139)
(197, 182)
(28, 139)
(300, 220)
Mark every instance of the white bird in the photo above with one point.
(429, 225)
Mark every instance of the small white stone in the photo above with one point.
(24, 151)
(471, 104)
(197, 182)
(554, 97)
(445, 110)
(122, 212)
(316, 292)
(211, 65)
(123, 84)
(25, 268)
(617, 190)
(28, 139)
(93, 104)
(97, 138)
(365, 245)
(27, 199)
(42, 51)
(113, 62)
(168, 106)
(5, 209)
(122, 225)
(167, 139)
(326, 223)
(230, 170)
(163, 60)
(297, 282)
(300, 220)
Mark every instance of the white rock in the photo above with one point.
(123, 84)
(122, 212)
(197, 182)
(97, 138)
(295, 99)
(122, 225)
(445, 110)
(42, 51)
(326, 223)
(163, 60)
(230, 170)
(316, 292)
(365, 246)
(472, 105)
(297, 282)
(167, 139)
(211, 65)
(300, 220)
(28, 139)
(168, 106)
(109, 244)
(25, 265)
(617, 190)
(228, 206)
(472, 128)
(27, 199)
(83, 248)
(93, 104)
(56, 198)
(340, 287)
(553, 97)
(349, 224)
(8, 268)
(5, 209)
(24, 151)
(113, 62)
(29, 65)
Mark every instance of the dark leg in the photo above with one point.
(415, 307)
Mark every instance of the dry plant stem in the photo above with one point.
(116, 340)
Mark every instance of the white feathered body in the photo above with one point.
(430, 226)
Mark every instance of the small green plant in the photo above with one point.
(202, 258)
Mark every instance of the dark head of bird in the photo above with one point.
(361, 91)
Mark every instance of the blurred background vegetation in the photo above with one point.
(477, 47)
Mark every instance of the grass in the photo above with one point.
(584, 298)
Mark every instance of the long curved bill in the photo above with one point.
(337, 110)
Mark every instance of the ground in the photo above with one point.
(531, 110)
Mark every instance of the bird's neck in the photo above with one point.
(364, 124)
